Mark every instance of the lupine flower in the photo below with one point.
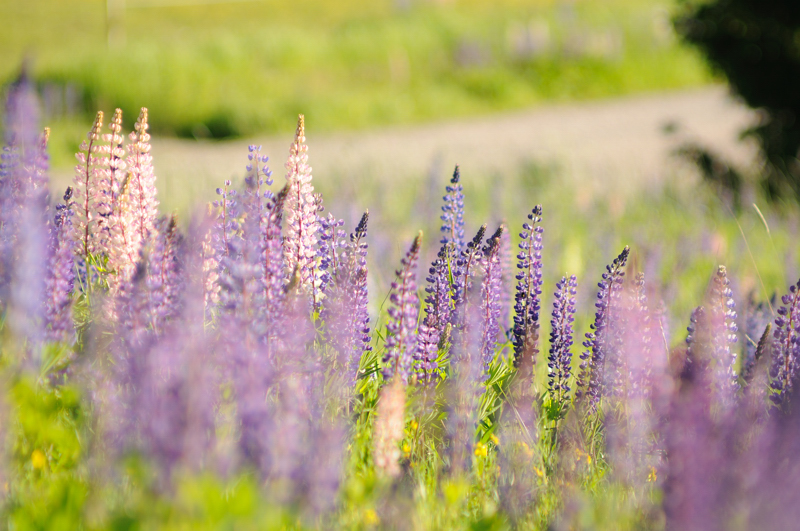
(89, 171)
(389, 424)
(345, 311)
(786, 345)
(301, 214)
(437, 316)
(462, 272)
(23, 177)
(721, 301)
(559, 362)
(401, 329)
(163, 274)
(60, 276)
(274, 270)
(142, 180)
(490, 298)
(453, 216)
(507, 279)
(603, 339)
(332, 240)
(529, 289)
(463, 384)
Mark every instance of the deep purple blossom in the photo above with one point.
(401, 340)
(529, 290)
(345, 310)
(786, 345)
(601, 344)
(491, 291)
(559, 362)
(60, 275)
(465, 267)
(437, 316)
(453, 216)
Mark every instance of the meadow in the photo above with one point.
(248, 68)
(560, 363)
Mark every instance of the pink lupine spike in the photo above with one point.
(301, 215)
(142, 185)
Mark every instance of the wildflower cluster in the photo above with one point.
(243, 349)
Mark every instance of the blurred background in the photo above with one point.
(624, 118)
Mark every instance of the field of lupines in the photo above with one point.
(228, 372)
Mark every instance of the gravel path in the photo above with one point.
(601, 143)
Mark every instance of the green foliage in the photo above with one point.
(243, 69)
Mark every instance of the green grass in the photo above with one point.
(249, 68)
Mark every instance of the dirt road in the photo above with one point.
(608, 142)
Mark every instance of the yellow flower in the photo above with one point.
(481, 450)
(651, 477)
(371, 517)
(406, 448)
(413, 425)
(494, 439)
(538, 472)
(38, 459)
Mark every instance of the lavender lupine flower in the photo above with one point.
(490, 298)
(300, 246)
(23, 176)
(437, 316)
(163, 273)
(462, 272)
(332, 240)
(274, 267)
(601, 341)
(694, 453)
(529, 289)
(60, 276)
(141, 179)
(786, 345)
(401, 337)
(463, 385)
(453, 217)
(507, 279)
(345, 311)
(162, 394)
(559, 362)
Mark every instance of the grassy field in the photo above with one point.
(246, 68)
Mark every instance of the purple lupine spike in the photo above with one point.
(162, 393)
(506, 281)
(163, 274)
(463, 388)
(60, 276)
(462, 272)
(529, 290)
(437, 317)
(490, 299)
(23, 178)
(559, 362)
(401, 337)
(453, 216)
(332, 241)
(274, 267)
(302, 208)
(345, 311)
(786, 345)
(600, 342)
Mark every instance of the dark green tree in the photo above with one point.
(756, 45)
